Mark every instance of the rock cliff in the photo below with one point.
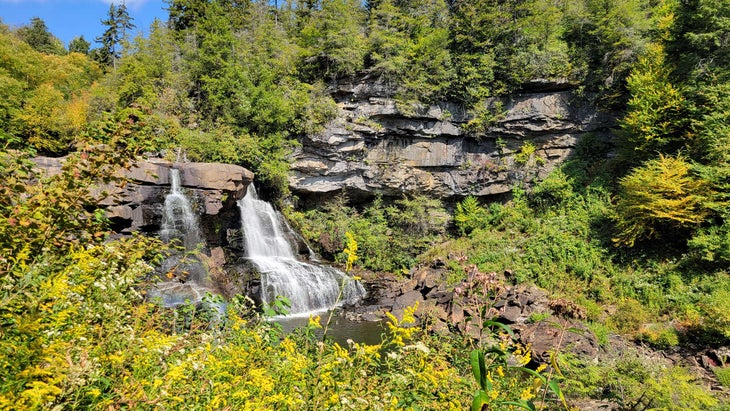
(374, 147)
(137, 205)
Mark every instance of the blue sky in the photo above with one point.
(67, 19)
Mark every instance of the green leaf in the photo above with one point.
(577, 331)
(479, 369)
(521, 404)
(505, 327)
(480, 400)
(555, 388)
(532, 372)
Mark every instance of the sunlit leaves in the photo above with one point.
(656, 115)
(661, 194)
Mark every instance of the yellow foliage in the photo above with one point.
(350, 251)
(662, 191)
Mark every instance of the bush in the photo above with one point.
(663, 194)
(630, 316)
(470, 215)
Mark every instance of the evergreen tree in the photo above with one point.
(408, 42)
(37, 35)
(333, 39)
(79, 45)
(117, 22)
(605, 39)
(184, 14)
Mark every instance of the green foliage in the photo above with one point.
(661, 194)
(117, 23)
(498, 46)
(525, 154)
(389, 237)
(723, 375)
(716, 313)
(711, 244)
(470, 215)
(79, 45)
(350, 251)
(498, 376)
(660, 336)
(604, 40)
(553, 191)
(655, 121)
(484, 115)
(696, 45)
(408, 43)
(42, 96)
(629, 380)
(333, 39)
(37, 36)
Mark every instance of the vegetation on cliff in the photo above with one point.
(637, 234)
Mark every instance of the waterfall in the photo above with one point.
(308, 287)
(185, 277)
(178, 220)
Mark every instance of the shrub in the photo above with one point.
(470, 215)
(662, 194)
(629, 316)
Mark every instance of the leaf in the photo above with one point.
(555, 388)
(532, 372)
(524, 405)
(479, 369)
(554, 363)
(505, 327)
(577, 331)
(480, 400)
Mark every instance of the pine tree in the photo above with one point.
(37, 36)
(117, 22)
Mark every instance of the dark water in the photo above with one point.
(340, 328)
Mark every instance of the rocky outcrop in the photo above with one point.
(136, 205)
(374, 147)
(536, 320)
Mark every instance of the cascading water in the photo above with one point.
(178, 220)
(308, 287)
(185, 278)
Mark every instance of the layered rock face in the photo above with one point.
(137, 205)
(374, 147)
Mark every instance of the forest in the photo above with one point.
(634, 232)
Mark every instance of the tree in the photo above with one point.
(699, 46)
(117, 22)
(79, 45)
(184, 14)
(656, 118)
(333, 39)
(605, 39)
(662, 196)
(37, 35)
(408, 41)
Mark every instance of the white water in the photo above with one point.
(186, 278)
(178, 220)
(308, 287)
